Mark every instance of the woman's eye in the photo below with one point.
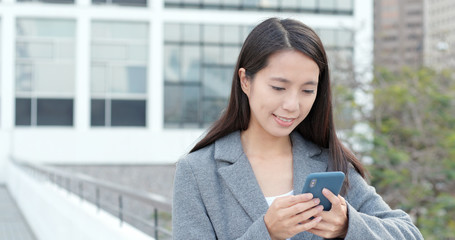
(308, 91)
(277, 88)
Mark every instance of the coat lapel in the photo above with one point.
(236, 171)
(308, 158)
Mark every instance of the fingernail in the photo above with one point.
(318, 219)
(325, 190)
(316, 201)
(308, 196)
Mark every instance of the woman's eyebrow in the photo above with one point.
(280, 79)
(284, 80)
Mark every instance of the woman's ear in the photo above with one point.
(245, 82)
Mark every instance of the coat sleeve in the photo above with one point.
(190, 218)
(371, 218)
(189, 215)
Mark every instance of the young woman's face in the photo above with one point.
(281, 94)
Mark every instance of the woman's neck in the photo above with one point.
(265, 145)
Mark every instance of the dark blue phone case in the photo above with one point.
(315, 182)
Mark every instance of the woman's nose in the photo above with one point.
(291, 102)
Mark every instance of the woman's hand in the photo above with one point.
(290, 215)
(334, 223)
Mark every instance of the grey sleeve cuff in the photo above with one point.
(394, 224)
(257, 230)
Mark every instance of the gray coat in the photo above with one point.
(216, 196)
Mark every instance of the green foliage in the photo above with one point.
(413, 146)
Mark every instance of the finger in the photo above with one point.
(308, 225)
(305, 216)
(332, 220)
(342, 200)
(323, 228)
(288, 201)
(322, 225)
(317, 231)
(299, 208)
(328, 216)
(332, 198)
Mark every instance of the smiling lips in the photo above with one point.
(282, 121)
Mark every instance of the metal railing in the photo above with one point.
(91, 189)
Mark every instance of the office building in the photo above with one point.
(137, 81)
(439, 37)
(398, 34)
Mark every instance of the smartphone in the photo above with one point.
(315, 182)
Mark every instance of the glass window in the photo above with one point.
(0, 65)
(343, 7)
(23, 111)
(128, 113)
(328, 37)
(34, 50)
(129, 79)
(172, 32)
(217, 82)
(230, 4)
(173, 2)
(119, 73)
(245, 31)
(109, 51)
(54, 78)
(212, 54)
(109, 31)
(190, 63)
(345, 38)
(272, 4)
(172, 63)
(250, 4)
(308, 4)
(212, 109)
(139, 3)
(45, 73)
(198, 72)
(99, 79)
(327, 5)
(191, 33)
(231, 34)
(230, 54)
(211, 2)
(212, 33)
(137, 53)
(182, 104)
(55, 112)
(46, 28)
(48, 1)
(291, 4)
(23, 77)
(98, 113)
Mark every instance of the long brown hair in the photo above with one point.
(268, 37)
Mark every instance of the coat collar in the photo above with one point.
(235, 170)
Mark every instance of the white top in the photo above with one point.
(271, 199)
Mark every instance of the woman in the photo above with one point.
(243, 179)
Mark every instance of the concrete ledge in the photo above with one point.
(54, 214)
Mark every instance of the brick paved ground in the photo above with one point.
(12, 224)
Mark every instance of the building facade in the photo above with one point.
(439, 51)
(137, 81)
(398, 33)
